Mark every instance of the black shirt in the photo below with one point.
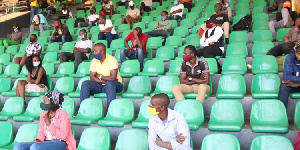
(220, 18)
(43, 79)
(196, 71)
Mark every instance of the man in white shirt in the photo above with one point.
(65, 12)
(107, 31)
(176, 11)
(91, 20)
(81, 50)
(167, 128)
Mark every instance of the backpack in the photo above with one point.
(243, 24)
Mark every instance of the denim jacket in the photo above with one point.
(291, 68)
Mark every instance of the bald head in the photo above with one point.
(161, 100)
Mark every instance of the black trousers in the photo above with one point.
(144, 7)
(280, 49)
(211, 52)
(188, 6)
(77, 56)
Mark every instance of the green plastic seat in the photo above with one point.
(7, 132)
(281, 32)
(260, 17)
(144, 84)
(123, 27)
(256, 10)
(95, 29)
(151, 25)
(23, 48)
(90, 111)
(234, 65)
(4, 58)
(174, 68)
(142, 25)
(220, 141)
(5, 84)
(90, 139)
(130, 139)
(238, 36)
(120, 112)
(68, 47)
(212, 65)
(152, 68)
(181, 31)
(165, 53)
(195, 29)
(193, 112)
(12, 107)
(23, 73)
(268, 142)
(201, 20)
(269, 116)
(32, 112)
(147, 19)
(45, 33)
(43, 40)
(2, 48)
(243, 11)
(194, 95)
(82, 71)
(265, 86)
(117, 44)
(64, 85)
(94, 36)
(296, 115)
(77, 91)
(164, 84)
(261, 48)
(193, 39)
(262, 35)
(12, 92)
(143, 117)
(226, 115)
(10, 70)
(53, 47)
(154, 13)
(174, 24)
(126, 33)
(259, 4)
(231, 86)
(236, 50)
(69, 106)
(114, 17)
(154, 42)
(238, 17)
(26, 133)
(174, 41)
(64, 69)
(192, 15)
(130, 68)
(260, 25)
(50, 57)
(13, 49)
(264, 64)
(49, 68)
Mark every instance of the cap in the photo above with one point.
(211, 20)
(131, 3)
(286, 4)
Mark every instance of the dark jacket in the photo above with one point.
(291, 67)
(64, 30)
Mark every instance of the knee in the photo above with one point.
(109, 84)
(271, 23)
(175, 88)
(202, 87)
(18, 146)
(35, 146)
(122, 51)
(77, 54)
(140, 51)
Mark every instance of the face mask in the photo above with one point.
(163, 18)
(32, 40)
(175, 2)
(80, 37)
(98, 56)
(131, 7)
(152, 111)
(186, 57)
(208, 25)
(35, 64)
(56, 25)
(297, 55)
(15, 30)
(216, 9)
(101, 22)
(44, 106)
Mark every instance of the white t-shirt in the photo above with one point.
(108, 24)
(180, 6)
(84, 44)
(93, 17)
(66, 11)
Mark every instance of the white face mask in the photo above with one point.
(35, 64)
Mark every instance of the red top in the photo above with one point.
(143, 38)
(297, 142)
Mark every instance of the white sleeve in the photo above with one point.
(108, 24)
(217, 35)
(182, 127)
(77, 44)
(202, 42)
(151, 136)
(90, 44)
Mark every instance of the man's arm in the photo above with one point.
(203, 79)
(106, 30)
(151, 136)
(217, 35)
(83, 50)
(139, 42)
(126, 44)
(288, 35)
(288, 71)
(184, 79)
(93, 76)
(167, 26)
(183, 128)
(176, 11)
(113, 75)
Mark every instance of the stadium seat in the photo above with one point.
(195, 29)
(154, 42)
(236, 50)
(77, 91)
(96, 29)
(4, 59)
(64, 69)
(23, 48)
(260, 25)
(64, 85)
(117, 44)
(53, 47)
(174, 41)
(261, 48)
(12, 107)
(5, 84)
(192, 110)
(10, 70)
(264, 64)
(26, 133)
(192, 15)
(142, 25)
(193, 39)
(212, 65)
(147, 19)
(174, 24)
(32, 112)
(82, 71)
(42, 40)
(49, 68)
(90, 111)
(45, 33)
(23, 73)
(123, 27)
(296, 115)
(256, 10)
(231, 86)
(7, 132)
(120, 112)
(234, 65)
(281, 32)
(263, 142)
(90, 139)
(143, 117)
(2, 48)
(269, 116)
(69, 106)
(154, 13)
(131, 139)
(51, 57)
(226, 115)
(12, 92)
(260, 17)
(237, 18)
(262, 35)
(13, 49)
(265, 86)
(174, 68)
(151, 25)
(194, 95)
(181, 31)
(130, 68)
(238, 36)
(165, 53)
(245, 11)
(164, 84)
(220, 141)
(68, 47)
(152, 68)
(138, 87)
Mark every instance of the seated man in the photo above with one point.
(138, 48)
(187, 4)
(108, 7)
(168, 129)
(286, 20)
(277, 5)
(61, 33)
(39, 22)
(91, 20)
(176, 11)
(107, 30)
(81, 50)
(51, 9)
(226, 7)
(161, 27)
(146, 5)
(122, 3)
(291, 75)
(105, 76)
(65, 12)
(132, 15)
(33, 48)
(222, 21)
(192, 79)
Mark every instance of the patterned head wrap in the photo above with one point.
(55, 97)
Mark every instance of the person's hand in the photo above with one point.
(203, 76)
(135, 32)
(180, 138)
(53, 37)
(292, 84)
(211, 43)
(158, 141)
(285, 81)
(41, 85)
(37, 140)
(47, 119)
(98, 75)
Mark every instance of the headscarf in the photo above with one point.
(55, 97)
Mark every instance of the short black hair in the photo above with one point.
(58, 20)
(139, 29)
(34, 35)
(165, 12)
(164, 98)
(63, 4)
(191, 48)
(100, 45)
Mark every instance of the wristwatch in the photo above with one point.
(100, 77)
(190, 79)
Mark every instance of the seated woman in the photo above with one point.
(15, 37)
(36, 80)
(55, 130)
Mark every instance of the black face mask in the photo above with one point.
(45, 106)
(131, 7)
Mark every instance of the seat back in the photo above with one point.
(4, 58)
(164, 84)
(139, 24)
(123, 27)
(263, 142)
(234, 65)
(117, 44)
(65, 68)
(231, 83)
(49, 68)
(258, 17)
(220, 141)
(193, 39)
(91, 108)
(261, 48)
(84, 68)
(173, 41)
(5, 84)
(281, 32)
(212, 65)
(130, 66)
(23, 48)
(13, 106)
(143, 113)
(80, 83)
(121, 109)
(165, 52)
(131, 139)
(50, 57)
(68, 46)
(69, 106)
(175, 66)
(12, 69)
(238, 36)
(90, 139)
(53, 47)
(12, 49)
(264, 64)
(236, 50)
(192, 110)
(154, 66)
(187, 23)
(154, 42)
(64, 85)
(7, 132)
(262, 35)
(181, 31)
(27, 133)
(33, 107)
(139, 84)
(266, 83)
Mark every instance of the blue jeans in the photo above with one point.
(91, 87)
(175, 17)
(284, 93)
(62, 39)
(33, 12)
(83, 24)
(139, 54)
(46, 145)
(108, 37)
(156, 33)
